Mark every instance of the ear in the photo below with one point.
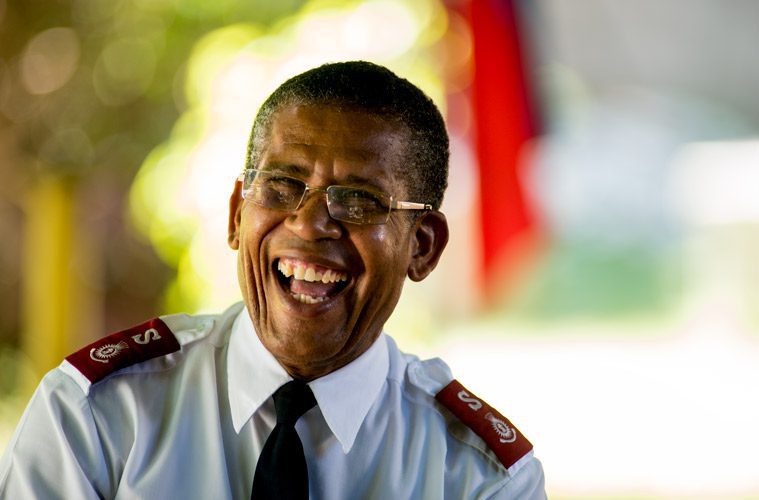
(235, 210)
(431, 236)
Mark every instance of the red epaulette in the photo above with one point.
(125, 348)
(505, 440)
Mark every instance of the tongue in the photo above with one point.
(314, 289)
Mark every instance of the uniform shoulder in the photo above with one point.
(120, 350)
(156, 339)
(469, 414)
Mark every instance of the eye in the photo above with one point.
(283, 184)
(360, 199)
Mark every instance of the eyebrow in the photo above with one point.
(285, 168)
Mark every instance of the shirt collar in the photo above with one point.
(344, 396)
(253, 373)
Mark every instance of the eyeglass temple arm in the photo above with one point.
(410, 205)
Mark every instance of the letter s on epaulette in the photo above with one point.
(508, 444)
(125, 348)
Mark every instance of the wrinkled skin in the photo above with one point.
(324, 145)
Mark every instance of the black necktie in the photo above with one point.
(281, 472)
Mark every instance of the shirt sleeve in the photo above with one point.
(55, 451)
(528, 483)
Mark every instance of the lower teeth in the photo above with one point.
(307, 299)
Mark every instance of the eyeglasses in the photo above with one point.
(348, 204)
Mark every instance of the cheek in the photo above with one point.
(245, 275)
(251, 255)
(254, 226)
(385, 255)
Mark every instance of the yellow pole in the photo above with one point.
(54, 300)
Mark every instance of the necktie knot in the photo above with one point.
(293, 400)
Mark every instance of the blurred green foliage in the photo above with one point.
(584, 280)
(89, 84)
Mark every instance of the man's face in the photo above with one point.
(351, 275)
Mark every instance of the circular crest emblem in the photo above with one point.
(104, 353)
(505, 433)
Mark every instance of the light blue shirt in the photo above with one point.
(191, 424)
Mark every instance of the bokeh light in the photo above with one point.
(50, 60)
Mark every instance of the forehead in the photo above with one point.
(339, 142)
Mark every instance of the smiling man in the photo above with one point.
(358, 238)
(297, 391)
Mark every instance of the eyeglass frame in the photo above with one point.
(393, 205)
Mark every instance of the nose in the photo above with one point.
(311, 221)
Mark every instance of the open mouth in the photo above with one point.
(308, 283)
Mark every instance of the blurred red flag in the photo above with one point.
(504, 122)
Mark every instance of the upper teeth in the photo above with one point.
(303, 272)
